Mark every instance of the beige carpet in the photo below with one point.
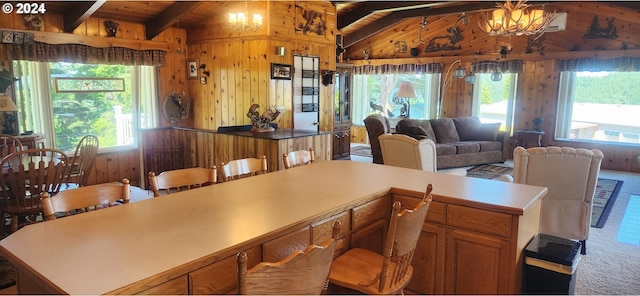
(611, 267)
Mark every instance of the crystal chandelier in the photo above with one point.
(518, 19)
(240, 22)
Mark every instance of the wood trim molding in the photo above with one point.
(94, 41)
(522, 56)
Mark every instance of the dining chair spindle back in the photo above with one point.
(82, 161)
(83, 199)
(241, 168)
(171, 181)
(302, 272)
(298, 158)
(25, 174)
(388, 273)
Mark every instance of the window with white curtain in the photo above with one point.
(66, 101)
(376, 94)
(599, 106)
(493, 101)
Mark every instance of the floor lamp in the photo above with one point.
(8, 118)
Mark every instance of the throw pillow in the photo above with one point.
(445, 130)
(467, 127)
(487, 132)
(418, 130)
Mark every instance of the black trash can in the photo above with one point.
(550, 265)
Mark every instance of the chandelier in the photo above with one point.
(518, 19)
(240, 22)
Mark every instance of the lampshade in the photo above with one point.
(7, 104)
(406, 91)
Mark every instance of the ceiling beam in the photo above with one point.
(168, 17)
(79, 13)
(367, 8)
(399, 16)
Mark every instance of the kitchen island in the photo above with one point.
(186, 242)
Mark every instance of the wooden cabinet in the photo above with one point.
(369, 223)
(342, 112)
(465, 250)
(476, 263)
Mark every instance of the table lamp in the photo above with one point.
(7, 120)
(405, 93)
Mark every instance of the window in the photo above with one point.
(375, 94)
(599, 106)
(493, 101)
(66, 101)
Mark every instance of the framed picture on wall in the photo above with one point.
(192, 68)
(281, 71)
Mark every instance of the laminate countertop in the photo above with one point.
(102, 251)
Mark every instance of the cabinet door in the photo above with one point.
(428, 261)
(220, 277)
(476, 263)
(346, 143)
(336, 152)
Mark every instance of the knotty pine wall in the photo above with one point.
(240, 63)
(538, 84)
(114, 166)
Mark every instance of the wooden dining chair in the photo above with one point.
(388, 273)
(298, 158)
(171, 181)
(82, 161)
(241, 168)
(302, 272)
(25, 174)
(9, 144)
(83, 199)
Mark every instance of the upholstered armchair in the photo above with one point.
(404, 151)
(376, 125)
(570, 176)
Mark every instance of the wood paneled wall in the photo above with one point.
(538, 84)
(240, 63)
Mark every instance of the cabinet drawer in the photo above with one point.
(479, 220)
(437, 210)
(220, 277)
(370, 212)
(177, 286)
(321, 231)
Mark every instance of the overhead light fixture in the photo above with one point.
(518, 19)
(471, 78)
(240, 22)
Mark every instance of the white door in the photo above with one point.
(306, 92)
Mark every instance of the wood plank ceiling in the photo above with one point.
(357, 20)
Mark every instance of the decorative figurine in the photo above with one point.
(262, 123)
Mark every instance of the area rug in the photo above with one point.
(603, 199)
(488, 171)
(361, 150)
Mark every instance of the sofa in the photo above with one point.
(461, 141)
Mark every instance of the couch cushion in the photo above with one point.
(487, 132)
(490, 146)
(467, 127)
(408, 127)
(445, 149)
(445, 130)
(466, 147)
